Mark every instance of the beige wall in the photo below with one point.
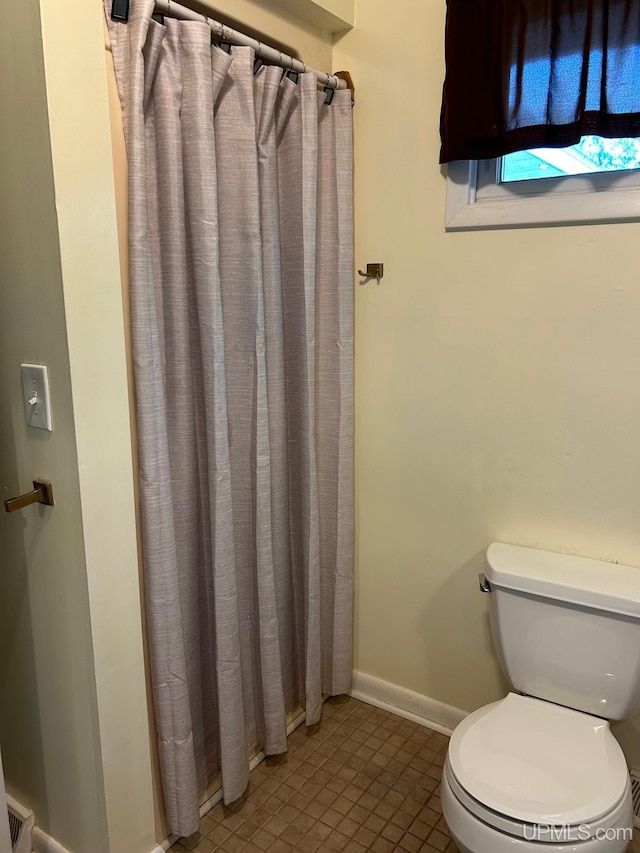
(85, 200)
(48, 713)
(293, 33)
(330, 15)
(73, 726)
(497, 382)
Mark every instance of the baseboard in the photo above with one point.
(292, 724)
(406, 703)
(43, 843)
(383, 694)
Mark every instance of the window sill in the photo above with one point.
(464, 212)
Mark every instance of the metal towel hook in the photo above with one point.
(373, 271)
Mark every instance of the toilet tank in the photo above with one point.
(567, 629)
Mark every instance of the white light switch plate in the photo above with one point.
(35, 390)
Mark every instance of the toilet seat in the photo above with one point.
(524, 762)
(473, 835)
(558, 833)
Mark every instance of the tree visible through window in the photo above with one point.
(593, 154)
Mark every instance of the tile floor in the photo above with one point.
(364, 779)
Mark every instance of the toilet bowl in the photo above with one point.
(527, 774)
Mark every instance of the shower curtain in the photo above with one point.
(241, 267)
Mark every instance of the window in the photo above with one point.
(527, 78)
(596, 180)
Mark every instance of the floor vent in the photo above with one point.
(20, 826)
(635, 796)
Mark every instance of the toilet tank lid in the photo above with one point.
(576, 580)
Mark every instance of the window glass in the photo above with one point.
(593, 154)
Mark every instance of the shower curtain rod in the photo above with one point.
(263, 51)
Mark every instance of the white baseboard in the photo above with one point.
(383, 694)
(406, 703)
(43, 843)
(216, 797)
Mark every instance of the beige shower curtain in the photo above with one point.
(241, 294)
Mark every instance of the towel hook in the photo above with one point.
(373, 271)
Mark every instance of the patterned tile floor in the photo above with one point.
(364, 779)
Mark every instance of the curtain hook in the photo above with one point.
(291, 74)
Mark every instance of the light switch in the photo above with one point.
(35, 389)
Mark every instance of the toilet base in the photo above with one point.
(471, 835)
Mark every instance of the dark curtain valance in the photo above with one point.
(538, 73)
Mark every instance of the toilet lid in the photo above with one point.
(539, 762)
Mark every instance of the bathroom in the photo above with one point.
(496, 400)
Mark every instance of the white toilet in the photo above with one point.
(540, 770)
